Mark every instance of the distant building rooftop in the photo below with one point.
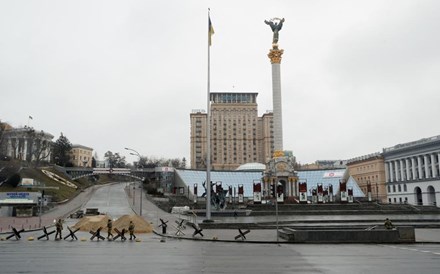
(252, 166)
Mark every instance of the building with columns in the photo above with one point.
(412, 172)
(26, 144)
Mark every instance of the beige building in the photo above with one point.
(369, 169)
(238, 135)
(81, 156)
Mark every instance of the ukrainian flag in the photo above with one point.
(210, 31)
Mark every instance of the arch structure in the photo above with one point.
(418, 197)
(430, 192)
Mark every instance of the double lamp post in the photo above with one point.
(134, 152)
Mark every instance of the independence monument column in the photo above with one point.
(275, 58)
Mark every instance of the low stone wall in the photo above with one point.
(399, 235)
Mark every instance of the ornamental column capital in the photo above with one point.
(275, 54)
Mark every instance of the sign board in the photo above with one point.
(27, 182)
(280, 198)
(320, 194)
(240, 194)
(164, 169)
(195, 193)
(257, 192)
(335, 174)
(280, 193)
(350, 195)
(302, 192)
(18, 198)
(344, 196)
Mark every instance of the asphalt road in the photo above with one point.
(151, 255)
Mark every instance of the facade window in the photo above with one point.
(404, 187)
(394, 188)
(400, 188)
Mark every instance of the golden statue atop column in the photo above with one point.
(275, 54)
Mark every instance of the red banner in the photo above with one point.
(342, 186)
(257, 187)
(302, 187)
(240, 189)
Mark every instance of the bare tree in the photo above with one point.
(2, 131)
(115, 160)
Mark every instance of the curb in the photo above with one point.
(275, 242)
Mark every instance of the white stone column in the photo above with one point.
(425, 157)
(419, 162)
(396, 166)
(17, 145)
(391, 171)
(402, 170)
(433, 166)
(275, 58)
(438, 166)
(9, 148)
(413, 165)
(25, 149)
(408, 171)
(387, 172)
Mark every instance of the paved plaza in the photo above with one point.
(155, 254)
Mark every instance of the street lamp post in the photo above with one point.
(134, 193)
(41, 208)
(142, 183)
(140, 198)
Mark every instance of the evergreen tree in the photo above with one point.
(61, 149)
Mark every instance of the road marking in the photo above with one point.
(411, 249)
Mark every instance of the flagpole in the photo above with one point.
(208, 129)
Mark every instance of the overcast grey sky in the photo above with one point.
(356, 76)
